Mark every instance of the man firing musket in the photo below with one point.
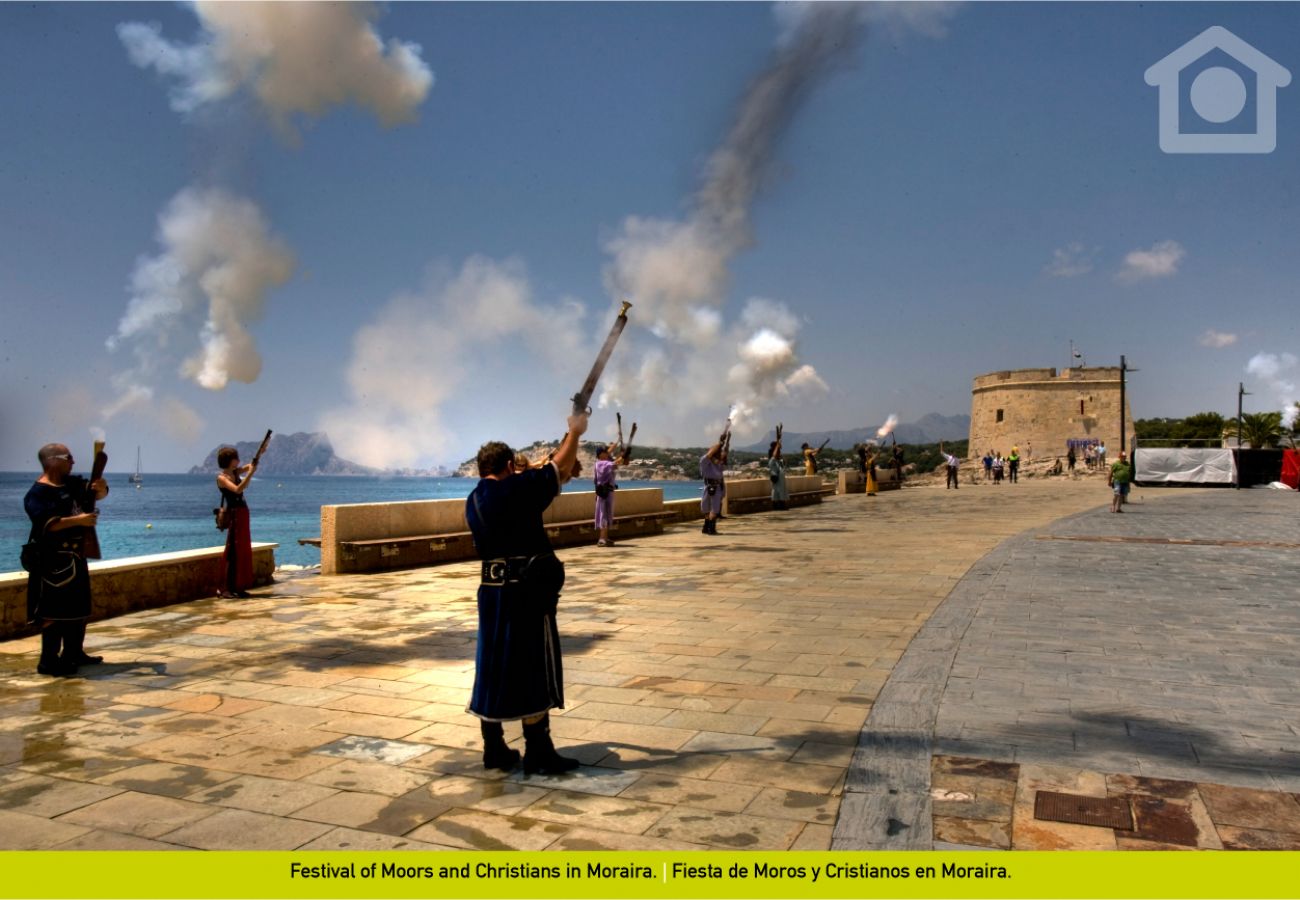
(518, 672)
(712, 467)
(606, 481)
(810, 457)
(776, 471)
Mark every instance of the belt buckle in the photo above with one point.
(497, 570)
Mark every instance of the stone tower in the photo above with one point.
(1048, 410)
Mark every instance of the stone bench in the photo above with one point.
(749, 495)
(119, 586)
(853, 482)
(370, 537)
(425, 549)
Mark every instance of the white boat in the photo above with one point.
(137, 479)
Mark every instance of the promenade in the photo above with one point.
(899, 670)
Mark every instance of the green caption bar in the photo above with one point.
(640, 874)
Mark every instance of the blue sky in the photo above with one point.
(959, 194)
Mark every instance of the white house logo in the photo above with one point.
(1218, 95)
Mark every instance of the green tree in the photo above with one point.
(1204, 426)
(1259, 430)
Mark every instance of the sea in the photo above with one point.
(174, 512)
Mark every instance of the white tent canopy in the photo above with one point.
(1184, 465)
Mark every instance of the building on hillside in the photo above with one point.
(1048, 410)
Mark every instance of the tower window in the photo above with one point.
(999, 415)
(1080, 407)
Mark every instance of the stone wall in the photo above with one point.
(369, 537)
(1044, 409)
(442, 525)
(119, 586)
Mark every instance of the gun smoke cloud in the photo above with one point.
(1278, 372)
(422, 346)
(208, 284)
(192, 304)
(295, 58)
(887, 429)
(678, 271)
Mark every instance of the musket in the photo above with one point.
(257, 457)
(91, 544)
(627, 451)
(779, 426)
(724, 439)
(619, 417)
(823, 446)
(582, 399)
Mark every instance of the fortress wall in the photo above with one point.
(1046, 408)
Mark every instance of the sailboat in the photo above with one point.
(137, 479)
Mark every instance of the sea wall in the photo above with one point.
(370, 537)
(119, 586)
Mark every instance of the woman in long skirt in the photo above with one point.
(232, 481)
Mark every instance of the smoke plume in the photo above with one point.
(1278, 372)
(422, 346)
(295, 58)
(202, 291)
(887, 429)
(678, 271)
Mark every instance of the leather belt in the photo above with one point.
(505, 570)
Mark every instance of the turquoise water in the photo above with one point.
(174, 512)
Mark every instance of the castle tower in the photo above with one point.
(1047, 409)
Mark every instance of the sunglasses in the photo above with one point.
(65, 456)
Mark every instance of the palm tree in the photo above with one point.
(1257, 429)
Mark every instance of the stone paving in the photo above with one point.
(716, 688)
(1153, 653)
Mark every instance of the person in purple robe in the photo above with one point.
(606, 478)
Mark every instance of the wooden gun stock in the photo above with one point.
(257, 457)
(91, 544)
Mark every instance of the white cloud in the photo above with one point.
(421, 347)
(1071, 261)
(1217, 339)
(296, 58)
(1160, 261)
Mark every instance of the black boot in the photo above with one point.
(713, 526)
(704, 529)
(74, 639)
(496, 755)
(49, 663)
(539, 753)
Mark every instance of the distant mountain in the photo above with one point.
(929, 429)
(291, 454)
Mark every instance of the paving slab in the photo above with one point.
(1132, 645)
(746, 662)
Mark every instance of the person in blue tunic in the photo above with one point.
(58, 592)
(712, 465)
(517, 667)
(776, 471)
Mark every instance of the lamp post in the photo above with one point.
(1124, 369)
(1241, 392)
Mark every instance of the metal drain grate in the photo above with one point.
(1103, 812)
